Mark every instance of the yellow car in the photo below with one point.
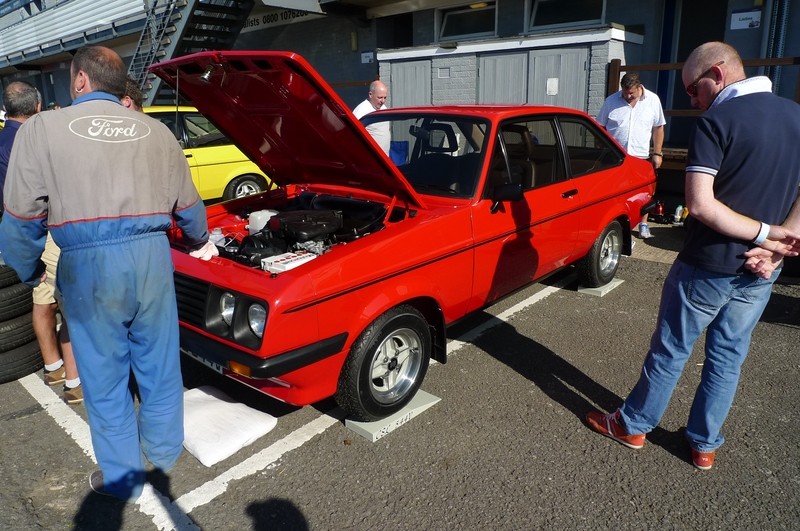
(219, 169)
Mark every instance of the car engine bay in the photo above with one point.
(308, 226)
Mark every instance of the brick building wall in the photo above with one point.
(462, 84)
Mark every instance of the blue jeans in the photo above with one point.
(692, 300)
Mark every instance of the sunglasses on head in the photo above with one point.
(691, 89)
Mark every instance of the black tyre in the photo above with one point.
(7, 276)
(386, 365)
(16, 332)
(599, 266)
(19, 362)
(244, 185)
(15, 300)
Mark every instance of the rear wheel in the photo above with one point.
(386, 365)
(244, 185)
(599, 266)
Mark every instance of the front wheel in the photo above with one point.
(386, 365)
(599, 266)
(244, 185)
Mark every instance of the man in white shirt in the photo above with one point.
(633, 116)
(376, 100)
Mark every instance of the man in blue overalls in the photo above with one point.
(108, 181)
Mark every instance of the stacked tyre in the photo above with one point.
(19, 350)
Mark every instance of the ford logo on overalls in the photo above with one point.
(112, 129)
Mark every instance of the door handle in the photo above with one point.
(569, 193)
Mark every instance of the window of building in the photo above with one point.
(471, 20)
(10, 6)
(566, 12)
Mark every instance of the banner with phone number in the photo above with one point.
(265, 19)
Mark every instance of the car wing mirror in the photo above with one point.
(506, 192)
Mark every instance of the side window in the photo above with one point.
(547, 163)
(516, 146)
(169, 120)
(532, 152)
(587, 149)
(203, 133)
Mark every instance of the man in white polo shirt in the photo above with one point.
(376, 101)
(633, 116)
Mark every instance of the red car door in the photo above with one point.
(520, 240)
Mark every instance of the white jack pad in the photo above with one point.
(602, 290)
(373, 431)
(216, 427)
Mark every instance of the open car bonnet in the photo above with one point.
(278, 110)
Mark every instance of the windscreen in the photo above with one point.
(438, 155)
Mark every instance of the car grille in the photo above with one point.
(192, 295)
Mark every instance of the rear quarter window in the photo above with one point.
(588, 149)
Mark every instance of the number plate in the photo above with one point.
(210, 364)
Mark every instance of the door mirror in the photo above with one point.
(506, 192)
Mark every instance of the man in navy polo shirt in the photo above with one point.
(22, 101)
(742, 179)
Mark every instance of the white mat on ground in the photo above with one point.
(216, 427)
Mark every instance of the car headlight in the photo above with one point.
(257, 317)
(227, 303)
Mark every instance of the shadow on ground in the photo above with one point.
(562, 381)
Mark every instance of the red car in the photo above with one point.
(343, 281)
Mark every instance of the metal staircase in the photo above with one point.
(180, 27)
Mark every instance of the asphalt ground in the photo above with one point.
(505, 448)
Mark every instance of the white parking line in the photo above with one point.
(165, 514)
(63, 414)
(174, 515)
(210, 490)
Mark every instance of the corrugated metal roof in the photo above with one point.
(62, 23)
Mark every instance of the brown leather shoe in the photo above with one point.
(610, 426)
(73, 396)
(55, 377)
(703, 460)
